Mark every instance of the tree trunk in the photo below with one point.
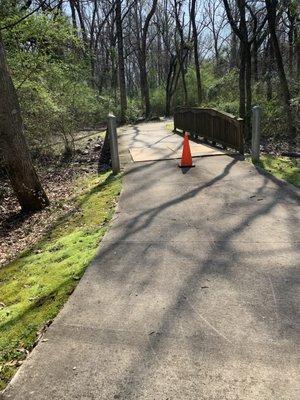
(297, 51)
(248, 89)
(233, 50)
(171, 81)
(297, 45)
(144, 84)
(142, 34)
(160, 61)
(182, 49)
(291, 50)
(185, 92)
(233, 63)
(15, 153)
(242, 80)
(168, 103)
(255, 61)
(271, 15)
(291, 39)
(196, 55)
(113, 65)
(121, 64)
(81, 21)
(168, 90)
(269, 62)
(73, 13)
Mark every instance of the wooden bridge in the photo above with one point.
(211, 124)
(153, 142)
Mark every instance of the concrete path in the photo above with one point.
(194, 293)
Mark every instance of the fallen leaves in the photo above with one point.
(14, 363)
(41, 333)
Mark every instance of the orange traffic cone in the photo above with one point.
(186, 158)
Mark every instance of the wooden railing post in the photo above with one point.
(256, 113)
(113, 142)
(241, 135)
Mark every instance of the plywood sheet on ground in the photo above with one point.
(152, 154)
(172, 151)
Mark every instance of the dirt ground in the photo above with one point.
(19, 231)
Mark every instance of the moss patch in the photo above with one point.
(34, 287)
(284, 168)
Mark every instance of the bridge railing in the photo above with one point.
(213, 125)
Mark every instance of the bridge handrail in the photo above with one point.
(214, 125)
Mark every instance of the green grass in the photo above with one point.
(170, 126)
(35, 286)
(284, 168)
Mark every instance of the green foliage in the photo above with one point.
(51, 69)
(158, 99)
(34, 287)
(52, 78)
(133, 110)
(220, 92)
(284, 168)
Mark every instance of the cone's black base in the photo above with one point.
(186, 166)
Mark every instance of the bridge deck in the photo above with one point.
(153, 142)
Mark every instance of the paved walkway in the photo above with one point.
(193, 294)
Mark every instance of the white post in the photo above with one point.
(113, 143)
(256, 114)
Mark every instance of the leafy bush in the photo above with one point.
(51, 79)
(158, 100)
(133, 110)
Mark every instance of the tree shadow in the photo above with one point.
(224, 243)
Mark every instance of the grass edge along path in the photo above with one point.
(285, 168)
(34, 287)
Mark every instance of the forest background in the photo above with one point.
(73, 60)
